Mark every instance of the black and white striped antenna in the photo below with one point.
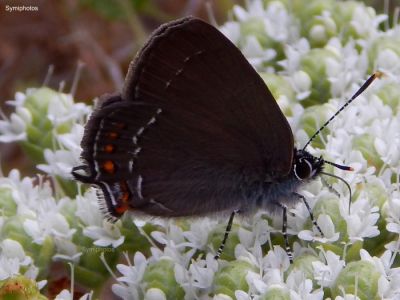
(366, 84)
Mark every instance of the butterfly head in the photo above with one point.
(306, 166)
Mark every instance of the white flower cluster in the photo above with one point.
(319, 53)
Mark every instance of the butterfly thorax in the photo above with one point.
(271, 195)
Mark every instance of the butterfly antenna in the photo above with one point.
(366, 84)
(344, 181)
(341, 167)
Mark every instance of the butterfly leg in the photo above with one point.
(284, 232)
(330, 187)
(227, 231)
(310, 212)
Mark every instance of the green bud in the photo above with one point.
(380, 45)
(91, 270)
(161, 275)
(390, 95)
(232, 277)
(363, 144)
(313, 63)
(276, 293)
(313, 118)
(13, 229)
(20, 288)
(255, 27)
(8, 207)
(322, 29)
(362, 273)
(41, 130)
(215, 238)
(278, 85)
(304, 263)
(329, 205)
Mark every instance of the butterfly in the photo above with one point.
(195, 132)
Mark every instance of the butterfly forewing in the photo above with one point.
(218, 123)
(188, 65)
(203, 125)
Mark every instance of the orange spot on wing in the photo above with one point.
(121, 208)
(125, 197)
(109, 166)
(111, 134)
(125, 192)
(109, 148)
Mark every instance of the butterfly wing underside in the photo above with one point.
(195, 125)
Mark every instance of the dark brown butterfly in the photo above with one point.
(194, 132)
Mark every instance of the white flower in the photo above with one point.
(364, 20)
(389, 288)
(255, 54)
(258, 230)
(20, 98)
(274, 20)
(361, 222)
(389, 282)
(13, 249)
(14, 129)
(87, 209)
(31, 199)
(301, 83)
(198, 279)
(221, 297)
(345, 68)
(347, 297)
(173, 236)
(72, 141)
(67, 295)
(241, 295)
(12, 257)
(61, 162)
(326, 273)
(108, 235)
(393, 212)
(383, 264)
(302, 288)
(48, 224)
(154, 294)
(278, 23)
(257, 284)
(9, 267)
(276, 259)
(197, 236)
(327, 227)
(129, 286)
(61, 108)
(388, 144)
(254, 9)
(388, 61)
(232, 31)
(294, 53)
(66, 250)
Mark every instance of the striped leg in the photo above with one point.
(227, 231)
(330, 187)
(310, 212)
(284, 232)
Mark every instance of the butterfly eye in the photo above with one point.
(303, 169)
